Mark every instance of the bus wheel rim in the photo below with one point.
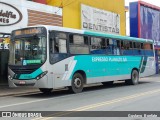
(135, 77)
(77, 82)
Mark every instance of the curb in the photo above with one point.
(16, 93)
(5, 90)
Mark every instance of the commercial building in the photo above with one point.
(15, 14)
(145, 23)
(88, 14)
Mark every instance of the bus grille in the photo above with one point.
(24, 69)
(31, 84)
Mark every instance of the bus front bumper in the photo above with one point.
(41, 83)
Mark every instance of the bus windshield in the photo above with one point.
(28, 50)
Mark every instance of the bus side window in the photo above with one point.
(138, 45)
(118, 43)
(107, 46)
(51, 45)
(78, 44)
(60, 43)
(70, 39)
(134, 45)
(137, 48)
(113, 47)
(62, 46)
(126, 48)
(122, 45)
(148, 49)
(107, 40)
(142, 47)
(131, 44)
(126, 45)
(151, 46)
(97, 45)
(103, 43)
(56, 45)
(116, 47)
(51, 42)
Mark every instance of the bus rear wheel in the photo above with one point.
(46, 90)
(77, 83)
(134, 78)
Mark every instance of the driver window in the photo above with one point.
(62, 46)
(59, 44)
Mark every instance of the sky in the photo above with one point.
(153, 2)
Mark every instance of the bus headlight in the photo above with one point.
(41, 75)
(10, 77)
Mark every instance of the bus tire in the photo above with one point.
(109, 83)
(77, 83)
(134, 78)
(46, 90)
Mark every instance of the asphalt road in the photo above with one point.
(119, 97)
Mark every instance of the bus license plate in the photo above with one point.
(22, 82)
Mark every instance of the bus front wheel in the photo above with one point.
(134, 78)
(77, 83)
(46, 90)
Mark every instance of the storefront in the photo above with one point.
(144, 23)
(15, 14)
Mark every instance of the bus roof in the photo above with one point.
(98, 34)
(119, 37)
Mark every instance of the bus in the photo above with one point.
(51, 57)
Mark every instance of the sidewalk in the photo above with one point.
(6, 91)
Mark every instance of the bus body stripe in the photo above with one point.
(32, 75)
(144, 63)
(71, 66)
(98, 66)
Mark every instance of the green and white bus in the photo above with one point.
(51, 57)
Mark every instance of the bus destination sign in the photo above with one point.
(28, 31)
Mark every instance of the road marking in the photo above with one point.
(58, 97)
(22, 103)
(157, 81)
(87, 107)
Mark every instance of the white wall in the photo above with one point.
(7, 24)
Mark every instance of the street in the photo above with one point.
(119, 97)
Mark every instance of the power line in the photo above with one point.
(62, 6)
(69, 3)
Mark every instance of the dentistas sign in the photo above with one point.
(9, 15)
(99, 20)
